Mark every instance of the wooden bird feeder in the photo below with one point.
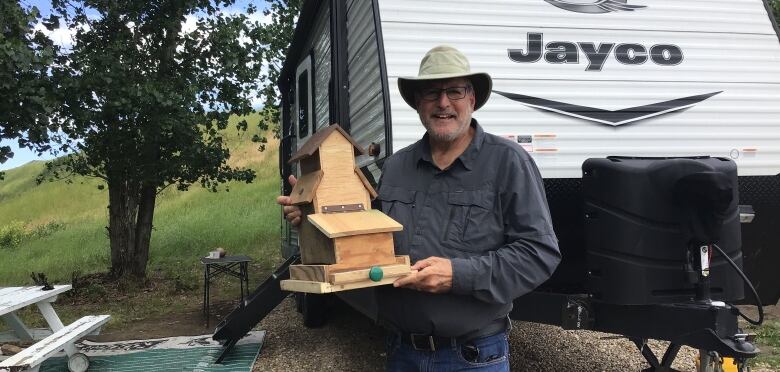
(344, 243)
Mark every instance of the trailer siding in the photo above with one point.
(322, 68)
(366, 104)
(729, 49)
(318, 46)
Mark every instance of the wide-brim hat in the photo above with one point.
(446, 62)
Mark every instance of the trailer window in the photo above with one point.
(303, 104)
(302, 114)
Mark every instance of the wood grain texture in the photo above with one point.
(306, 187)
(353, 276)
(313, 144)
(335, 225)
(323, 287)
(312, 273)
(316, 248)
(307, 286)
(339, 185)
(371, 192)
(333, 278)
(15, 298)
(364, 250)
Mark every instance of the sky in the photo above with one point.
(62, 36)
(21, 156)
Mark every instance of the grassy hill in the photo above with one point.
(59, 228)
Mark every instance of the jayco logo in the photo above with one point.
(595, 6)
(569, 52)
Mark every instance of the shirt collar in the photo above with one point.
(467, 158)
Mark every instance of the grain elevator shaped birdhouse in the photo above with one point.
(344, 243)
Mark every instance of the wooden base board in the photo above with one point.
(321, 279)
(335, 272)
(323, 287)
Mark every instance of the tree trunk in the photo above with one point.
(122, 212)
(131, 212)
(144, 229)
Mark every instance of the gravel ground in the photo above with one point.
(350, 342)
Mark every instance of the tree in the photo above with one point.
(277, 35)
(775, 5)
(25, 91)
(144, 100)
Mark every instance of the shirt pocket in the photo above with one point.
(398, 203)
(474, 222)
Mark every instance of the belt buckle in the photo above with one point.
(431, 345)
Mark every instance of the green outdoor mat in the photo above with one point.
(196, 353)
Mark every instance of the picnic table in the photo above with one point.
(61, 337)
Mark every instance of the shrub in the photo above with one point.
(46, 229)
(12, 234)
(15, 232)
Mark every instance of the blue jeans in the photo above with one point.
(493, 356)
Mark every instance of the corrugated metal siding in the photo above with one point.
(747, 16)
(319, 43)
(728, 47)
(322, 69)
(366, 106)
(705, 56)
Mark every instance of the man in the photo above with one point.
(476, 226)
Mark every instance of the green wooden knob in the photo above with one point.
(375, 274)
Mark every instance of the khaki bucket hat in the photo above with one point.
(446, 62)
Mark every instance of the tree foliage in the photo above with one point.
(136, 84)
(276, 35)
(25, 88)
(775, 5)
(144, 101)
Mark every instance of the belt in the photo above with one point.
(423, 342)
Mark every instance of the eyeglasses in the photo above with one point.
(453, 93)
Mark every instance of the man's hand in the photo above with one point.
(291, 212)
(434, 274)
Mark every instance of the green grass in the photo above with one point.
(59, 229)
(21, 199)
(64, 224)
(768, 340)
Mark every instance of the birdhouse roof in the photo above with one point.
(312, 145)
(335, 225)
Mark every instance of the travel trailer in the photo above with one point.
(572, 80)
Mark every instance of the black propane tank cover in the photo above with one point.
(638, 231)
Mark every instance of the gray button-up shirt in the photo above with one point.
(487, 212)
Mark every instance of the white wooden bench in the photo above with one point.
(31, 358)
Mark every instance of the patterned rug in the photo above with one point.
(196, 353)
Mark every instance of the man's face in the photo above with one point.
(444, 116)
